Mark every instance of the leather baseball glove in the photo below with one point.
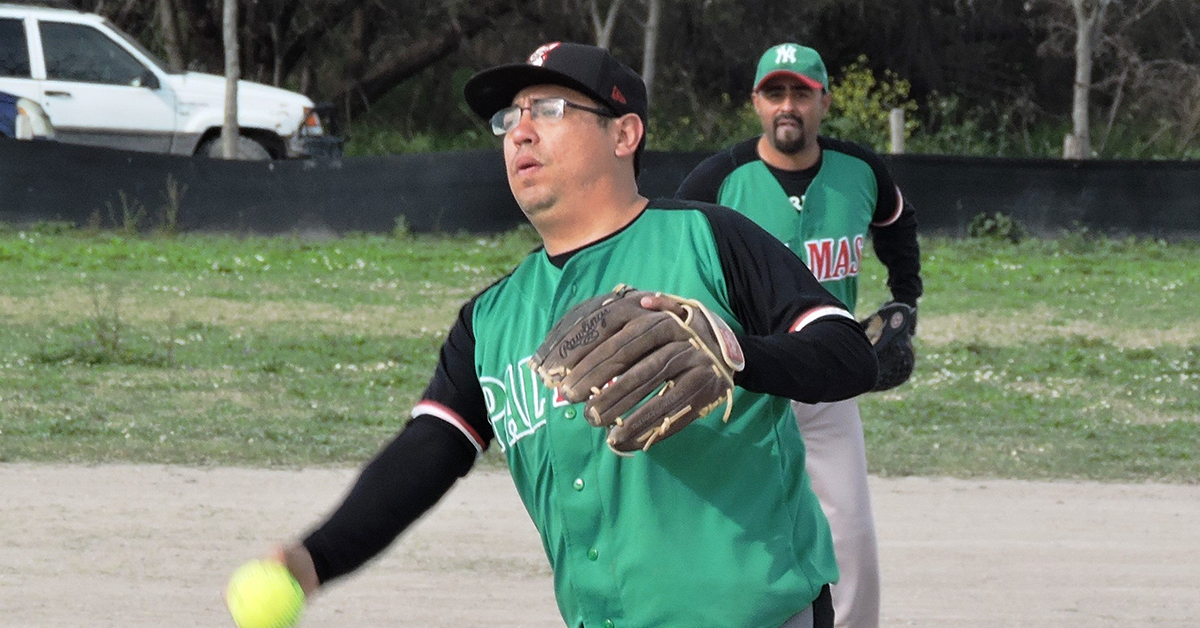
(644, 374)
(890, 330)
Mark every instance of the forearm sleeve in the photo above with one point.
(404, 480)
(826, 361)
(897, 248)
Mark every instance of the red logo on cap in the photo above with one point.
(538, 57)
(618, 96)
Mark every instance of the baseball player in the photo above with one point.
(715, 526)
(821, 197)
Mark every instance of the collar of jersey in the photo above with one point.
(560, 260)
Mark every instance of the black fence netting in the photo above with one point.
(467, 191)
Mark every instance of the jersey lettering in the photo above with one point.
(858, 248)
(842, 266)
(830, 261)
(820, 258)
(515, 403)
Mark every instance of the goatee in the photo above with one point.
(788, 145)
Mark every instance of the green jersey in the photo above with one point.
(716, 526)
(822, 214)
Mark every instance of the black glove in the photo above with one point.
(890, 330)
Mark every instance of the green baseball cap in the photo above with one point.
(794, 60)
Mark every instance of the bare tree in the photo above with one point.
(398, 61)
(169, 22)
(1089, 18)
(233, 71)
(650, 44)
(603, 27)
(1165, 92)
(1095, 26)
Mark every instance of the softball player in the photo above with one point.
(714, 527)
(821, 197)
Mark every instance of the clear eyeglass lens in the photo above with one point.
(548, 108)
(505, 119)
(508, 118)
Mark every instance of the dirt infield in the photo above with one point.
(142, 546)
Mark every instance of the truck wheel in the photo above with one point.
(247, 149)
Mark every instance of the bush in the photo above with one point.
(997, 226)
(862, 104)
(711, 128)
(951, 128)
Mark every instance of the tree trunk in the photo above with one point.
(1112, 110)
(1089, 17)
(229, 130)
(168, 19)
(276, 55)
(356, 49)
(306, 77)
(650, 46)
(604, 29)
(1079, 145)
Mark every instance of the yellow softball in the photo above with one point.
(263, 594)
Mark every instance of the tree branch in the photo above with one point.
(388, 72)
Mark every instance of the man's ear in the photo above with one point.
(756, 100)
(629, 131)
(826, 102)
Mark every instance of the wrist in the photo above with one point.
(300, 562)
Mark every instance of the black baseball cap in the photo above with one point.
(588, 69)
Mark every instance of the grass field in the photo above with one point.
(1073, 358)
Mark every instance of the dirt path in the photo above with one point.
(150, 546)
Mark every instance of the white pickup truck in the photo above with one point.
(100, 87)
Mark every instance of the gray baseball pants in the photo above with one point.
(835, 457)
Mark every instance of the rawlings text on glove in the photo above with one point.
(613, 353)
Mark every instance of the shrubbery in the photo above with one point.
(862, 101)
(997, 226)
(862, 105)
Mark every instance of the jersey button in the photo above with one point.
(569, 413)
(608, 623)
(593, 554)
(578, 484)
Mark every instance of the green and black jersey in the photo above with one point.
(716, 526)
(823, 214)
(600, 515)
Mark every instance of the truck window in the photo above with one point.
(14, 51)
(77, 52)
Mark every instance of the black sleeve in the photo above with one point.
(894, 234)
(404, 480)
(829, 360)
(440, 444)
(897, 248)
(704, 182)
(800, 342)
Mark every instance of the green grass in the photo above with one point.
(1074, 358)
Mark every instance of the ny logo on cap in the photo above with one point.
(538, 57)
(785, 54)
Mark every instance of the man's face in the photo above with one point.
(790, 112)
(547, 157)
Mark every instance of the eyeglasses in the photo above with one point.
(507, 118)
(776, 93)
